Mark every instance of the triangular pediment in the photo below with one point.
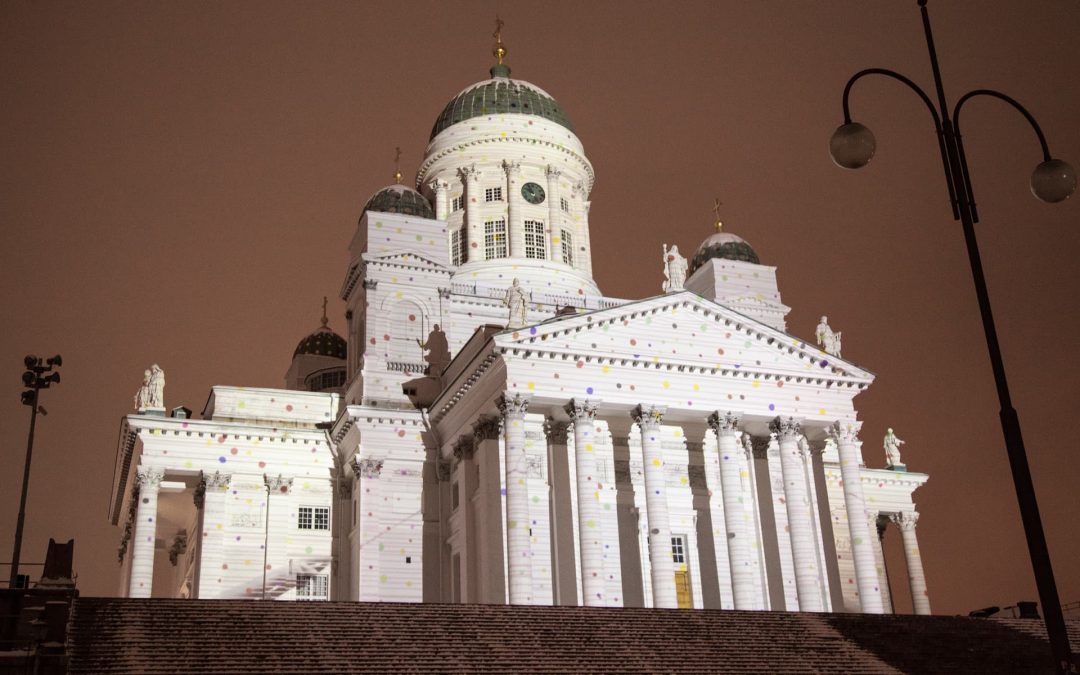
(405, 258)
(683, 330)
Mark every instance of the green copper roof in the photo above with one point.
(497, 96)
(323, 342)
(723, 245)
(400, 199)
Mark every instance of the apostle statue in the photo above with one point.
(515, 300)
(827, 339)
(892, 451)
(142, 396)
(157, 387)
(438, 351)
(674, 269)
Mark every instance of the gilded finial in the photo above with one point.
(716, 209)
(499, 51)
(325, 321)
(397, 169)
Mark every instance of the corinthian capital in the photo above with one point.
(511, 168)
(648, 417)
(278, 484)
(367, 467)
(149, 476)
(438, 185)
(552, 171)
(464, 446)
(786, 428)
(583, 411)
(486, 427)
(555, 431)
(845, 432)
(217, 481)
(513, 406)
(726, 423)
(468, 173)
(905, 520)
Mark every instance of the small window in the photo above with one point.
(457, 246)
(326, 380)
(312, 587)
(457, 203)
(493, 194)
(565, 204)
(678, 550)
(567, 244)
(495, 239)
(534, 240)
(313, 518)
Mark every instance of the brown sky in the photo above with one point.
(180, 180)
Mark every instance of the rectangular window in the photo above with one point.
(493, 194)
(312, 587)
(534, 240)
(494, 239)
(313, 518)
(457, 246)
(565, 204)
(678, 550)
(567, 248)
(457, 203)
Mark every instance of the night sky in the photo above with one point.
(180, 181)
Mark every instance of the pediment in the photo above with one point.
(405, 258)
(681, 330)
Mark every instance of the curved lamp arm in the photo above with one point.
(933, 113)
(960, 142)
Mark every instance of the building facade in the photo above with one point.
(494, 429)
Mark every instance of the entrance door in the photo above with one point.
(682, 572)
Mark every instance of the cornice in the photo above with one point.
(455, 148)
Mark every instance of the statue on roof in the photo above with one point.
(827, 339)
(515, 300)
(674, 269)
(438, 351)
(892, 451)
(157, 387)
(142, 396)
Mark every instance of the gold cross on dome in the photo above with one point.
(716, 209)
(325, 321)
(499, 23)
(397, 169)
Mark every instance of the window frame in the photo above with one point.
(535, 241)
(314, 516)
(495, 241)
(316, 582)
(493, 194)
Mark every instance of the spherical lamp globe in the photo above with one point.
(852, 146)
(1053, 181)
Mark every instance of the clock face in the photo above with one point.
(533, 193)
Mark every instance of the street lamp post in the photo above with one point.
(852, 146)
(38, 376)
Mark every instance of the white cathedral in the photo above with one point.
(496, 430)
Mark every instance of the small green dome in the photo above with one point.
(400, 199)
(323, 342)
(723, 245)
(497, 96)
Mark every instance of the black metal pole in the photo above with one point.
(1010, 422)
(22, 499)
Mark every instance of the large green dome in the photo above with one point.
(497, 96)
(323, 342)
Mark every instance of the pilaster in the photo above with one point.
(441, 189)
(563, 559)
(474, 226)
(515, 225)
(554, 214)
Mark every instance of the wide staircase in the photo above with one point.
(241, 636)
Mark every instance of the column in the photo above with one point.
(518, 549)
(468, 483)
(801, 530)
(920, 599)
(738, 540)
(583, 416)
(474, 227)
(148, 483)
(648, 419)
(213, 535)
(515, 227)
(278, 513)
(442, 198)
(862, 546)
(367, 472)
(562, 530)
(554, 214)
(199, 497)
